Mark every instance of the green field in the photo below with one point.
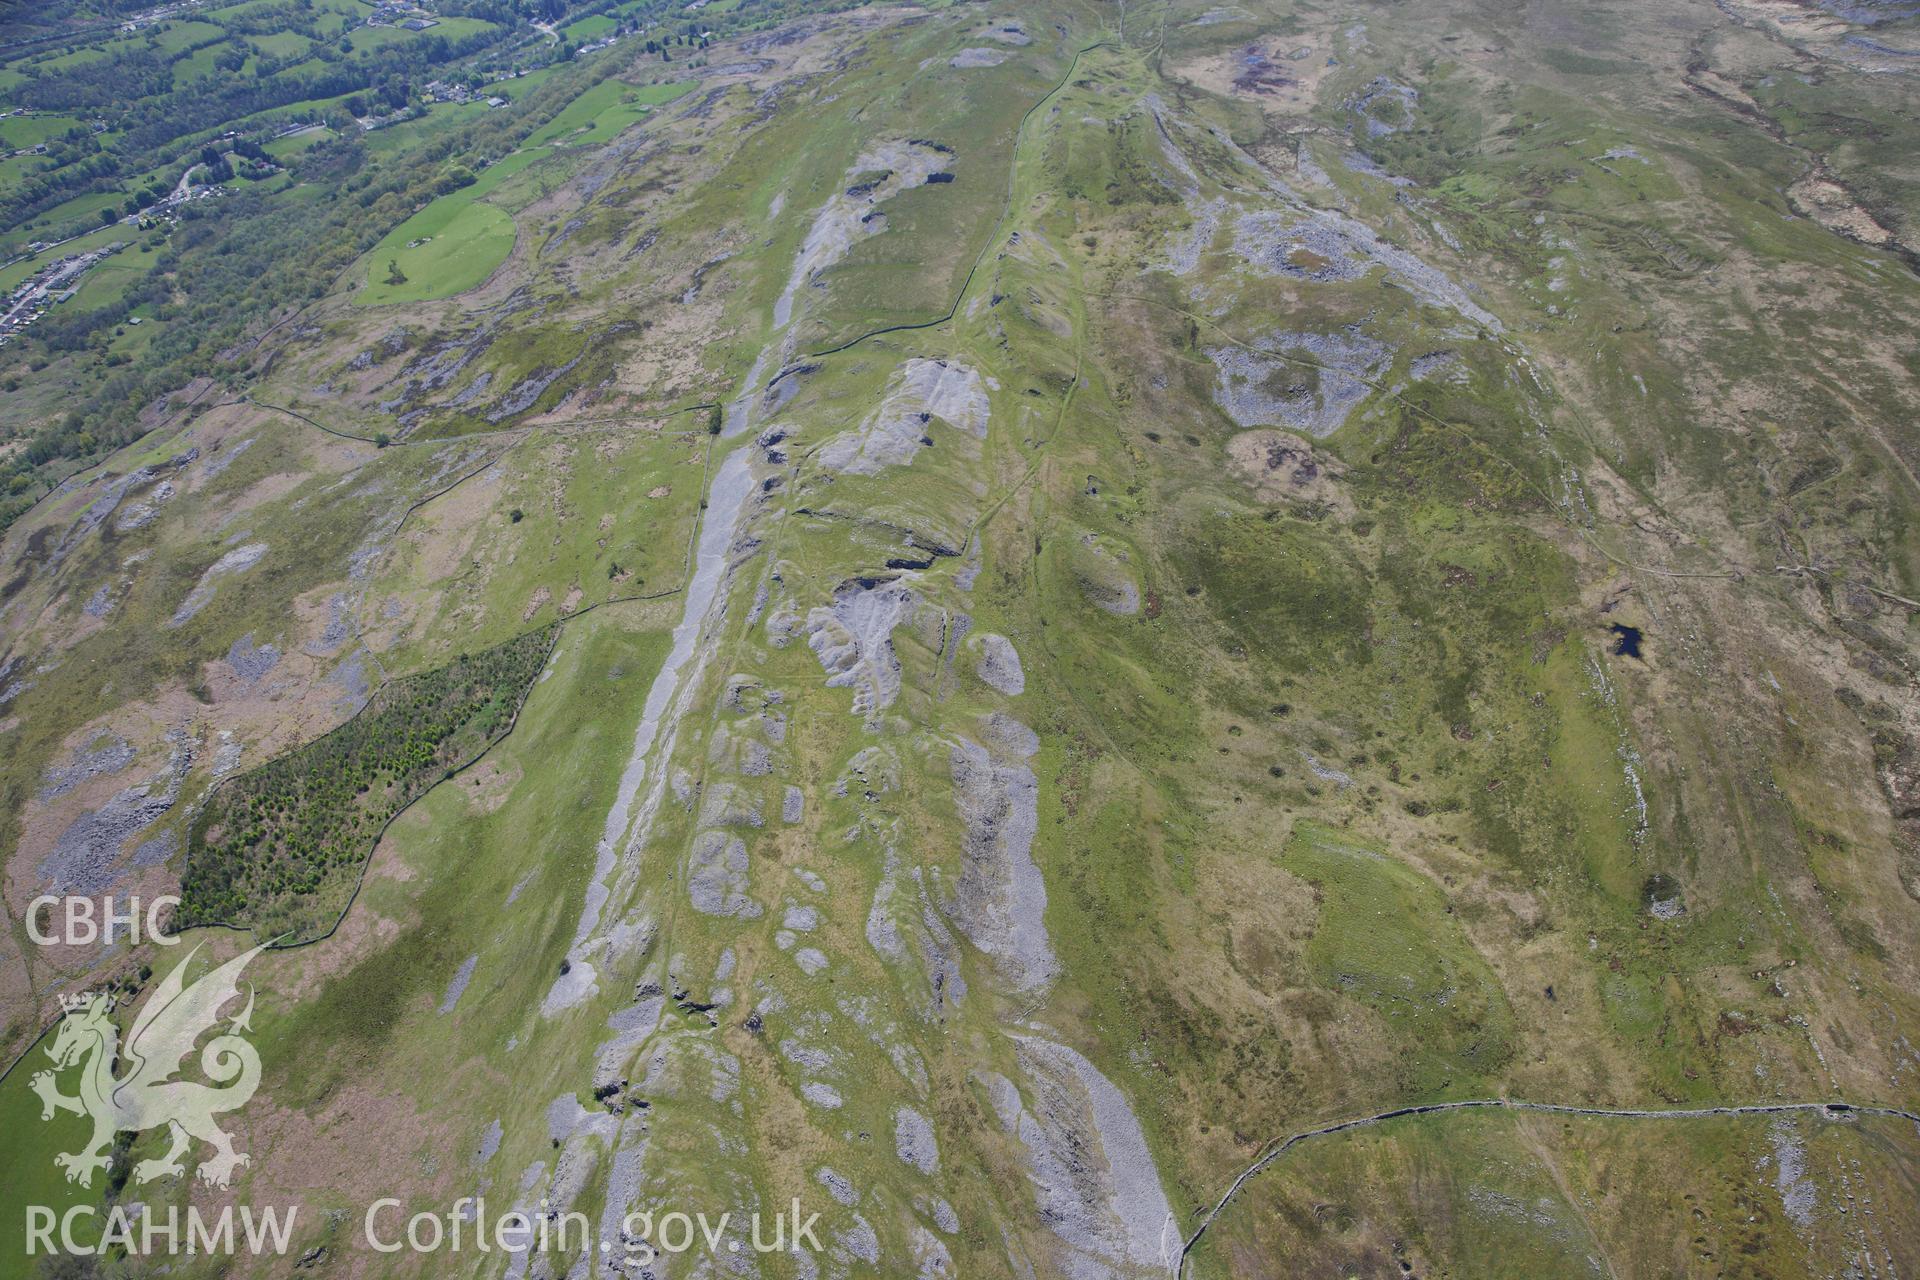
(280, 44)
(589, 28)
(604, 110)
(365, 38)
(520, 86)
(109, 281)
(73, 58)
(458, 28)
(178, 36)
(354, 9)
(36, 1181)
(64, 219)
(440, 117)
(197, 64)
(464, 240)
(460, 244)
(30, 131)
(295, 143)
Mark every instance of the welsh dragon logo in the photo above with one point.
(147, 1096)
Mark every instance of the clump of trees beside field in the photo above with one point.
(280, 848)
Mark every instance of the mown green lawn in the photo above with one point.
(280, 44)
(464, 240)
(28, 1175)
(182, 35)
(107, 282)
(295, 143)
(29, 131)
(589, 28)
(447, 248)
(520, 86)
(604, 110)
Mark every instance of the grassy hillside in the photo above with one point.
(1201, 640)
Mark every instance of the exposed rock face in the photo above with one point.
(1105, 577)
(846, 216)
(922, 392)
(1093, 1176)
(998, 664)
(249, 660)
(458, 986)
(914, 1142)
(1328, 376)
(237, 560)
(106, 753)
(853, 638)
(977, 57)
(1000, 901)
(717, 876)
(87, 856)
(1326, 246)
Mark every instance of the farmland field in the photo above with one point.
(450, 246)
(446, 248)
(604, 111)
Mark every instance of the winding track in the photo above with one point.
(1280, 1146)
